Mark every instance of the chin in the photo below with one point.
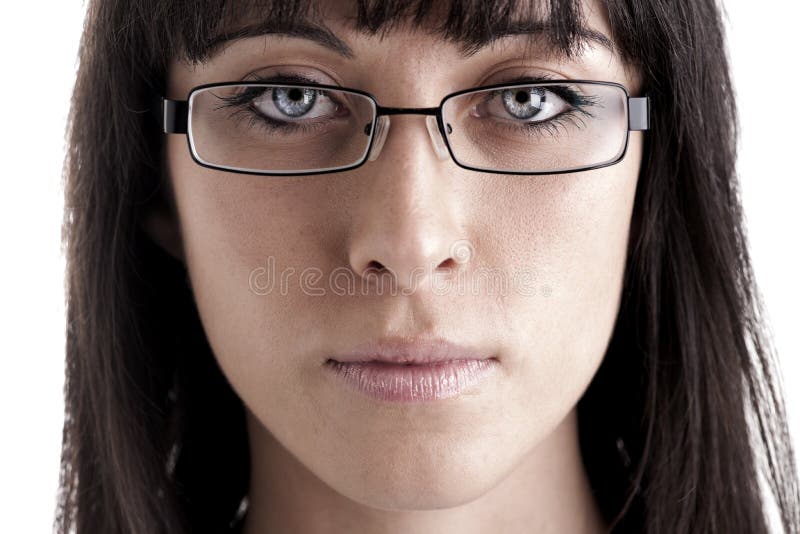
(422, 477)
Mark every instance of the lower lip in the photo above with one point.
(412, 383)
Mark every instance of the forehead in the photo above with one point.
(470, 25)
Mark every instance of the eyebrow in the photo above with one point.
(532, 28)
(324, 36)
(316, 32)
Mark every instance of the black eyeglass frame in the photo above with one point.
(175, 120)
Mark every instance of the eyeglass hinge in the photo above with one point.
(175, 113)
(638, 113)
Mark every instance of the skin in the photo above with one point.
(503, 457)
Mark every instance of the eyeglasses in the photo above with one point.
(287, 129)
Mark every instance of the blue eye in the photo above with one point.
(524, 103)
(293, 101)
(529, 104)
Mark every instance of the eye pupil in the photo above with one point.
(524, 103)
(294, 101)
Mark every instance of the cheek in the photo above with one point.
(241, 233)
(573, 239)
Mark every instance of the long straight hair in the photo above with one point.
(678, 429)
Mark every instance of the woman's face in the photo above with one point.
(562, 237)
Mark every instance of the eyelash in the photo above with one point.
(578, 102)
(551, 126)
(242, 103)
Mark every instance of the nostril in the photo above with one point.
(447, 265)
(374, 266)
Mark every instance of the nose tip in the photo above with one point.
(413, 236)
(408, 257)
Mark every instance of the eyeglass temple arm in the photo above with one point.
(638, 113)
(173, 115)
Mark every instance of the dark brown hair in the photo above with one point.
(683, 415)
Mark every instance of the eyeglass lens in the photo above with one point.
(289, 129)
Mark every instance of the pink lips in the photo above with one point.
(411, 370)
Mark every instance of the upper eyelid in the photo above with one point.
(583, 101)
(245, 103)
(287, 76)
(292, 78)
(568, 95)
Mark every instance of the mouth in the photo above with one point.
(403, 370)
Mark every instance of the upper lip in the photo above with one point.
(418, 351)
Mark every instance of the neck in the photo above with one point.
(547, 493)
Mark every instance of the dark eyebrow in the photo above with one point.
(316, 32)
(322, 35)
(533, 28)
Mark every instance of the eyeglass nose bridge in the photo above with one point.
(436, 138)
(384, 122)
(381, 129)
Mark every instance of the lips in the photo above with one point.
(411, 370)
(411, 351)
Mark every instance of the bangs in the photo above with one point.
(469, 24)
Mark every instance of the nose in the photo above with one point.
(409, 219)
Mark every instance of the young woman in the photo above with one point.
(453, 267)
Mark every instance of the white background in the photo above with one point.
(38, 48)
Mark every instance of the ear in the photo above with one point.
(160, 222)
